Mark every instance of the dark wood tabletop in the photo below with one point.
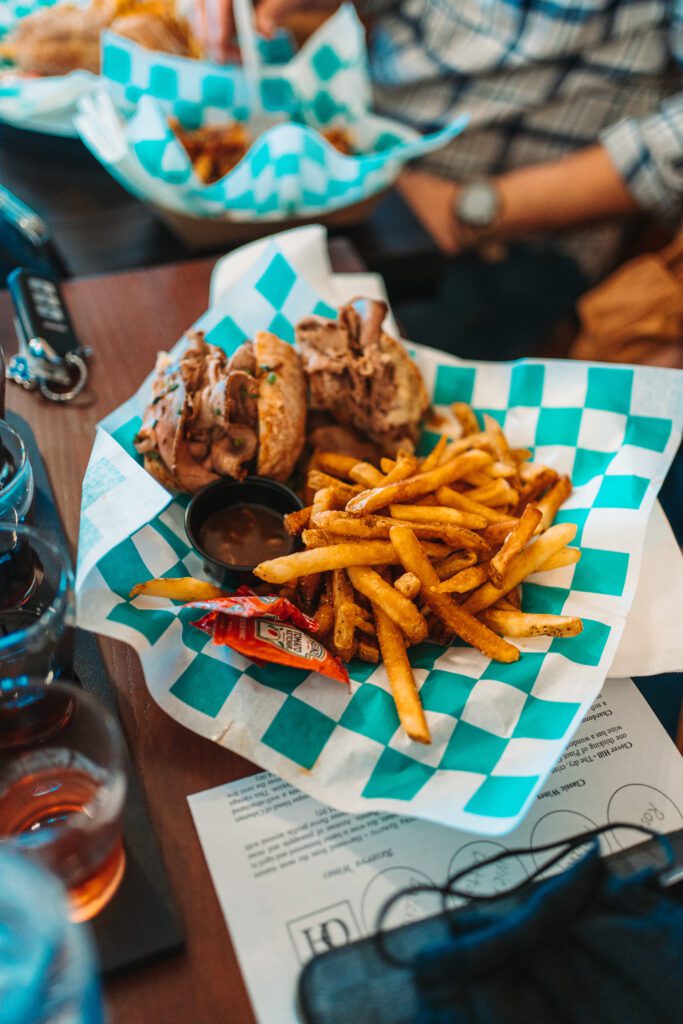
(127, 318)
(98, 227)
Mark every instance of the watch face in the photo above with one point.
(478, 205)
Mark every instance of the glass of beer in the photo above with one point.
(62, 787)
(16, 477)
(36, 606)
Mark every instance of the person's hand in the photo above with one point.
(216, 22)
(433, 200)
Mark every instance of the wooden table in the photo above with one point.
(127, 318)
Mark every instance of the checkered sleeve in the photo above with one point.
(648, 151)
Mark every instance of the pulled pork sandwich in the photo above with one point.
(363, 377)
(61, 39)
(212, 415)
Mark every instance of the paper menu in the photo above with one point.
(295, 877)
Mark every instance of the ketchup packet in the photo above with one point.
(247, 605)
(268, 629)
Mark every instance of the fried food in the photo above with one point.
(456, 618)
(186, 588)
(214, 150)
(211, 415)
(401, 678)
(59, 40)
(362, 376)
(400, 609)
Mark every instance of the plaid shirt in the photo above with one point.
(539, 78)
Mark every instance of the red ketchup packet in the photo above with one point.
(267, 629)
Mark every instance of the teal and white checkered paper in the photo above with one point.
(289, 171)
(497, 729)
(44, 104)
(326, 81)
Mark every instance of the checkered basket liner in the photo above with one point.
(497, 729)
(326, 81)
(289, 171)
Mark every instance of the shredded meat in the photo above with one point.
(202, 421)
(362, 376)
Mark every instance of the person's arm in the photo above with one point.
(216, 21)
(579, 188)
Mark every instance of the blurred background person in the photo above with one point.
(576, 125)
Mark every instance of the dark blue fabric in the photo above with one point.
(584, 947)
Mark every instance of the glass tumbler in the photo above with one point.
(48, 973)
(16, 477)
(36, 606)
(62, 787)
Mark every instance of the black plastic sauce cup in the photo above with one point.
(255, 490)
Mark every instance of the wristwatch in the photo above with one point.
(478, 206)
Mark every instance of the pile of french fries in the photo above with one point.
(433, 548)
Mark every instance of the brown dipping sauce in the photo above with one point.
(245, 534)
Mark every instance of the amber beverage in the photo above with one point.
(62, 787)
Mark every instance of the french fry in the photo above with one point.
(296, 522)
(335, 464)
(318, 480)
(452, 615)
(337, 556)
(408, 585)
(466, 579)
(495, 533)
(453, 499)
(309, 588)
(344, 615)
(323, 501)
(518, 624)
(400, 609)
(324, 616)
(551, 502)
(368, 650)
(405, 466)
(377, 527)
(386, 465)
(437, 514)
(466, 417)
(514, 597)
(515, 542)
(500, 444)
(186, 588)
(433, 459)
(565, 556)
(401, 678)
(522, 565)
(317, 539)
(496, 493)
(520, 454)
(536, 479)
(418, 485)
(365, 474)
(454, 563)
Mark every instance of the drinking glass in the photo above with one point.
(62, 787)
(16, 477)
(36, 605)
(47, 967)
